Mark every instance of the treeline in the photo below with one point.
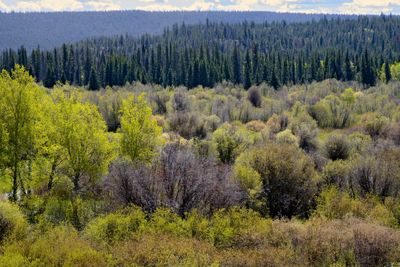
(277, 53)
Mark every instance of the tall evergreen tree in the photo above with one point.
(93, 80)
(247, 81)
(237, 72)
(388, 73)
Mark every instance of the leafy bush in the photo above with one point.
(305, 128)
(337, 173)
(238, 227)
(337, 147)
(287, 137)
(333, 204)
(13, 225)
(288, 177)
(180, 180)
(164, 250)
(255, 97)
(116, 226)
(232, 139)
(61, 246)
(375, 124)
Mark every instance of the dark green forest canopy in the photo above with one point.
(278, 53)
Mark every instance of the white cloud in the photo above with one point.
(4, 7)
(49, 5)
(157, 7)
(102, 5)
(312, 6)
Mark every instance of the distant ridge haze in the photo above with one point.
(51, 29)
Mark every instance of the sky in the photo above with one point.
(306, 6)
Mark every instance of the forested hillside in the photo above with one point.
(278, 53)
(52, 29)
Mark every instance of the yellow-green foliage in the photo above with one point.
(20, 121)
(56, 147)
(395, 71)
(232, 139)
(359, 142)
(61, 246)
(335, 111)
(235, 237)
(336, 173)
(116, 226)
(83, 137)
(13, 225)
(374, 124)
(165, 251)
(238, 227)
(140, 130)
(333, 204)
(250, 180)
(75, 211)
(287, 137)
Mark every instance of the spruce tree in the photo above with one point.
(93, 80)
(348, 72)
(274, 80)
(237, 73)
(388, 74)
(367, 75)
(49, 80)
(247, 81)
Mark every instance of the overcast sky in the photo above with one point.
(308, 6)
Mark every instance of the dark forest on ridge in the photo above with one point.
(277, 53)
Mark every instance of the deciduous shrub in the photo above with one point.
(337, 147)
(13, 225)
(254, 97)
(288, 177)
(179, 180)
(116, 226)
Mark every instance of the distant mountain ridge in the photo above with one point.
(51, 29)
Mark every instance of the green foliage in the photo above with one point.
(336, 173)
(395, 71)
(359, 142)
(66, 248)
(304, 127)
(240, 227)
(335, 111)
(116, 226)
(337, 147)
(13, 225)
(333, 204)
(375, 124)
(20, 98)
(288, 177)
(287, 137)
(231, 139)
(73, 214)
(140, 132)
(86, 150)
(175, 57)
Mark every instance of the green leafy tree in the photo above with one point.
(19, 113)
(83, 138)
(140, 132)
